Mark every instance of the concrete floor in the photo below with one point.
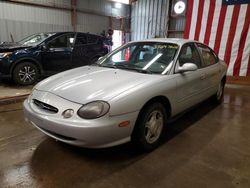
(10, 90)
(207, 147)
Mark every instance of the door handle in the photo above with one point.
(203, 76)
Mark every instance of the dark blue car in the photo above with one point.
(45, 54)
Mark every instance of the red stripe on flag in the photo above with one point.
(209, 21)
(220, 28)
(231, 34)
(248, 66)
(199, 19)
(243, 37)
(188, 18)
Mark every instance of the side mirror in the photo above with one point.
(100, 58)
(187, 67)
(44, 47)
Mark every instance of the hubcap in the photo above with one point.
(154, 126)
(27, 74)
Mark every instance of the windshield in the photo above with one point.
(144, 57)
(35, 39)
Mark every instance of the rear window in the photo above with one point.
(92, 39)
(208, 56)
(81, 39)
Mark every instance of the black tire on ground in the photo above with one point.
(219, 95)
(149, 127)
(25, 73)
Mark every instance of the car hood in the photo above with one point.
(11, 46)
(90, 83)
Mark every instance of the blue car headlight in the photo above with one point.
(5, 54)
(93, 110)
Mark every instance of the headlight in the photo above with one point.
(2, 55)
(93, 110)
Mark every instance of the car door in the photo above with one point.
(211, 70)
(57, 55)
(80, 52)
(189, 84)
(95, 47)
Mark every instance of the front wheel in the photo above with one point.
(149, 126)
(25, 73)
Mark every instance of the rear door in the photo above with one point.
(57, 56)
(88, 48)
(211, 69)
(80, 52)
(95, 47)
(189, 84)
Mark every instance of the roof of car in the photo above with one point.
(179, 41)
(65, 32)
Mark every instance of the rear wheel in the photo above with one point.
(149, 126)
(25, 73)
(218, 97)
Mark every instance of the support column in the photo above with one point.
(73, 14)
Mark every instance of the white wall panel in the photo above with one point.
(104, 7)
(23, 20)
(91, 23)
(149, 19)
(11, 11)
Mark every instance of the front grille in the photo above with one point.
(45, 106)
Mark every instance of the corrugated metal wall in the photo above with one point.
(23, 20)
(149, 19)
(176, 27)
(92, 23)
(103, 7)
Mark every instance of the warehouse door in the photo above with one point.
(117, 39)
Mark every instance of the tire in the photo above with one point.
(149, 127)
(25, 73)
(218, 96)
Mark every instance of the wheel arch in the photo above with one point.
(135, 136)
(31, 60)
(224, 78)
(163, 100)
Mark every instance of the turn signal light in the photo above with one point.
(124, 124)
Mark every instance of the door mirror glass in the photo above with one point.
(187, 67)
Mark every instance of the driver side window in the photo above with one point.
(64, 41)
(189, 54)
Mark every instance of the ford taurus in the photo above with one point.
(127, 95)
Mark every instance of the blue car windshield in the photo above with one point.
(144, 57)
(35, 39)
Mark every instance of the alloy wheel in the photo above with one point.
(27, 74)
(154, 126)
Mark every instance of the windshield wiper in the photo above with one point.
(144, 71)
(123, 66)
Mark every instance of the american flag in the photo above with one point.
(224, 26)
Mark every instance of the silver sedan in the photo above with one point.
(128, 95)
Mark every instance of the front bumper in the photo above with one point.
(4, 68)
(97, 133)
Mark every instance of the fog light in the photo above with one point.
(68, 113)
